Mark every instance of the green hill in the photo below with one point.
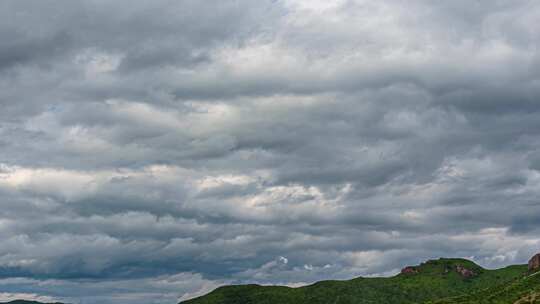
(456, 280)
(442, 281)
(525, 289)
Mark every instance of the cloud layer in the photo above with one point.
(151, 151)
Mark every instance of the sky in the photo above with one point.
(151, 151)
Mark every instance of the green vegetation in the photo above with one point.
(427, 283)
(525, 289)
(442, 281)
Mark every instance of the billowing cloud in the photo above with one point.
(152, 151)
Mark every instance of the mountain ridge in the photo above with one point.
(437, 281)
(442, 280)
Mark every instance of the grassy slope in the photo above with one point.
(436, 279)
(520, 291)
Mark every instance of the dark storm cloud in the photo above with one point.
(152, 151)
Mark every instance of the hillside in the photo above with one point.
(442, 281)
(522, 290)
(428, 282)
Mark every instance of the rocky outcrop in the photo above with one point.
(464, 272)
(409, 270)
(534, 263)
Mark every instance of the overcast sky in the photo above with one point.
(153, 150)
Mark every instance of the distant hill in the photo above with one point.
(442, 281)
(26, 302)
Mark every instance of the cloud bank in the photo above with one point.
(151, 151)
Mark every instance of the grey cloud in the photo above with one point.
(153, 151)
